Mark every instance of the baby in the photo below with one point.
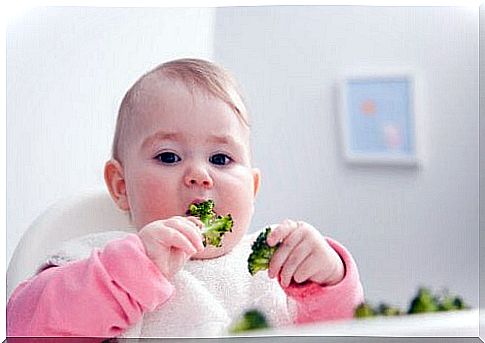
(183, 137)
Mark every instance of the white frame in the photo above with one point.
(376, 158)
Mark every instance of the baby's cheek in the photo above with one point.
(152, 202)
(240, 186)
(242, 210)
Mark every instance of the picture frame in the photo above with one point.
(377, 118)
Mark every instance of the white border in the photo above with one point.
(378, 158)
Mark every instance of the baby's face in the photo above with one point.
(189, 147)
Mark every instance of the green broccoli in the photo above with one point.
(215, 226)
(364, 310)
(261, 253)
(385, 310)
(423, 302)
(251, 320)
(459, 304)
(447, 302)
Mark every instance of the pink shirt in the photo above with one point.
(101, 297)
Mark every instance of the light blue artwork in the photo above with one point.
(379, 117)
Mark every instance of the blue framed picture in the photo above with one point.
(377, 119)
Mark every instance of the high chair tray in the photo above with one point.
(464, 323)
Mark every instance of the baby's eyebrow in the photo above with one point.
(226, 139)
(161, 136)
(177, 136)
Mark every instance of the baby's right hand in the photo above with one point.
(169, 243)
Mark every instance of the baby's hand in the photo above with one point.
(303, 255)
(169, 243)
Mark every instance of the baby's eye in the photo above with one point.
(220, 159)
(168, 157)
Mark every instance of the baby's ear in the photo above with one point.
(115, 181)
(256, 179)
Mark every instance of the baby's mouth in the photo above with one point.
(196, 201)
(215, 226)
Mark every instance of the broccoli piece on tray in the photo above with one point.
(448, 302)
(364, 310)
(261, 253)
(386, 310)
(424, 301)
(215, 226)
(251, 320)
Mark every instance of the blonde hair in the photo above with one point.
(195, 74)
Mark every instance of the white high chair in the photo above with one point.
(89, 212)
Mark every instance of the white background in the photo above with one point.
(68, 68)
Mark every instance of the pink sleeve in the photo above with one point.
(100, 296)
(323, 303)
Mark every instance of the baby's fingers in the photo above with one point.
(189, 229)
(196, 221)
(293, 262)
(308, 268)
(279, 233)
(174, 238)
(283, 251)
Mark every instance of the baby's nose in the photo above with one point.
(198, 177)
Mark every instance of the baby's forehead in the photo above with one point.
(151, 101)
(199, 83)
(153, 90)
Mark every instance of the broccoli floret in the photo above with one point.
(251, 320)
(423, 302)
(364, 310)
(447, 302)
(261, 253)
(386, 310)
(215, 226)
(459, 304)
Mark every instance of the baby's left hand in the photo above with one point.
(304, 255)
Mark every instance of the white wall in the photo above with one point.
(405, 227)
(67, 71)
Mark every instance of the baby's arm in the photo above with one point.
(320, 303)
(101, 296)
